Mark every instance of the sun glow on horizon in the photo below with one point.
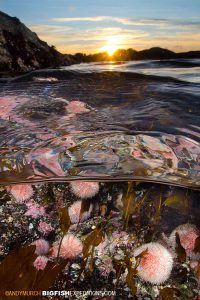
(110, 49)
(113, 44)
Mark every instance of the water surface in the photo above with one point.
(103, 121)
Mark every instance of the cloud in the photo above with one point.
(178, 42)
(90, 19)
(73, 39)
(41, 28)
(69, 35)
(52, 34)
(134, 22)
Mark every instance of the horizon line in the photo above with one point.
(125, 49)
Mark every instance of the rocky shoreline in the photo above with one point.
(21, 50)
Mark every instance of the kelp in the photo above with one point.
(85, 206)
(17, 272)
(131, 276)
(169, 293)
(180, 250)
(197, 245)
(64, 218)
(178, 200)
(128, 204)
(91, 241)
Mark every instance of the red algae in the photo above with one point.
(34, 210)
(45, 227)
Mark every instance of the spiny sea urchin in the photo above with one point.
(71, 247)
(155, 265)
(84, 189)
(21, 192)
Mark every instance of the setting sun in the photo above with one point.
(110, 49)
(113, 43)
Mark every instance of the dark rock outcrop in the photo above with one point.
(22, 50)
(155, 53)
(161, 53)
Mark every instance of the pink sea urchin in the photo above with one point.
(71, 247)
(42, 246)
(21, 192)
(40, 262)
(75, 210)
(188, 233)
(156, 263)
(84, 189)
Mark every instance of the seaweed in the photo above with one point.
(23, 276)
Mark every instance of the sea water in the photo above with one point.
(99, 168)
